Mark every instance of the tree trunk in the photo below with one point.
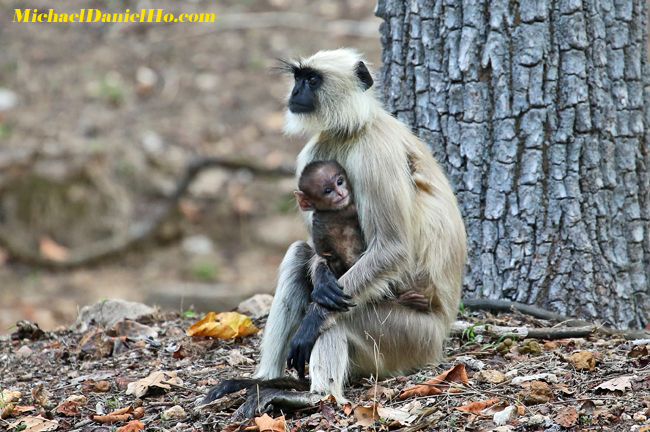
(539, 112)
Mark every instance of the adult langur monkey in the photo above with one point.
(415, 241)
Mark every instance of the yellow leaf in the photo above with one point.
(224, 325)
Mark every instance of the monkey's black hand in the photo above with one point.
(305, 338)
(327, 291)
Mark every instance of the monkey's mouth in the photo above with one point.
(298, 108)
(342, 202)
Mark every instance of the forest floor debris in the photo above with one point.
(88, 381)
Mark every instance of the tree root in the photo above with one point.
(113, 247)
(572, 327)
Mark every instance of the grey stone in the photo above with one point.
(107, 313)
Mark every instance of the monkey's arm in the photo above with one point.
(304, 339)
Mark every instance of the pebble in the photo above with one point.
(24, 352)
(8, 99)
(174, 413)
(197, 245)
(502, 417)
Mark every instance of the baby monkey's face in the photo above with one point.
(333, 190)
(326, 188)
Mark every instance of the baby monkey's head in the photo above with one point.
(323, 186)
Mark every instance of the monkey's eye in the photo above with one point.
(327, 191)
(313, 81)
(339, 182)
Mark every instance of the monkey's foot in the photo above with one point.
(270, 399)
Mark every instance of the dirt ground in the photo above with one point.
(76, 379)
(105, 120)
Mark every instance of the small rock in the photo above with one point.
(152, 143)
(471, 362)
(206, 81)
(146, 78)
(537, 420)
(548, 377)
(174, 413)
(491, 376)
(109, 312)
(8, 99)
(639, 417)
(197, 245)
(502, 417)
(583, 360)
(257, 306)
(536, 392)
(512, 373)
(27, 330)
(78, 399)
(24, 352)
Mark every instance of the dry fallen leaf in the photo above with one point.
(224, 325)
(69, 408)
(456, 374)
(9, 396)
(378, 392)
(567, 417)
(157, 379)
(34, 424)
(102, 386)
(583, 360)
(132, 426)
(366, 415)
(15, 410)
(477, 407)
(619, 384)
(117, 416)
(266, 423)
(41, 396)
(52, 250)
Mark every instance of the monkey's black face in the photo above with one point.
(303, 95)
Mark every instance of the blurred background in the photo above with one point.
(98, 123)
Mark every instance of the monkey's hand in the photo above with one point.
(304, 339)
(414, 300)
(327, 291)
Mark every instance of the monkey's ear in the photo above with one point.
(303, 201)
(364, 75)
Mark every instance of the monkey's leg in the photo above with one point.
(287, 310)
(328, 368)
(329, 363)
(292, 296)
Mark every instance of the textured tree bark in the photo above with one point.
(539, 111)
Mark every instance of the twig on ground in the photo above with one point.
(579, 326)
(108, 249)
(460, 327)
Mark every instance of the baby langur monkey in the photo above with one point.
(338, 240)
